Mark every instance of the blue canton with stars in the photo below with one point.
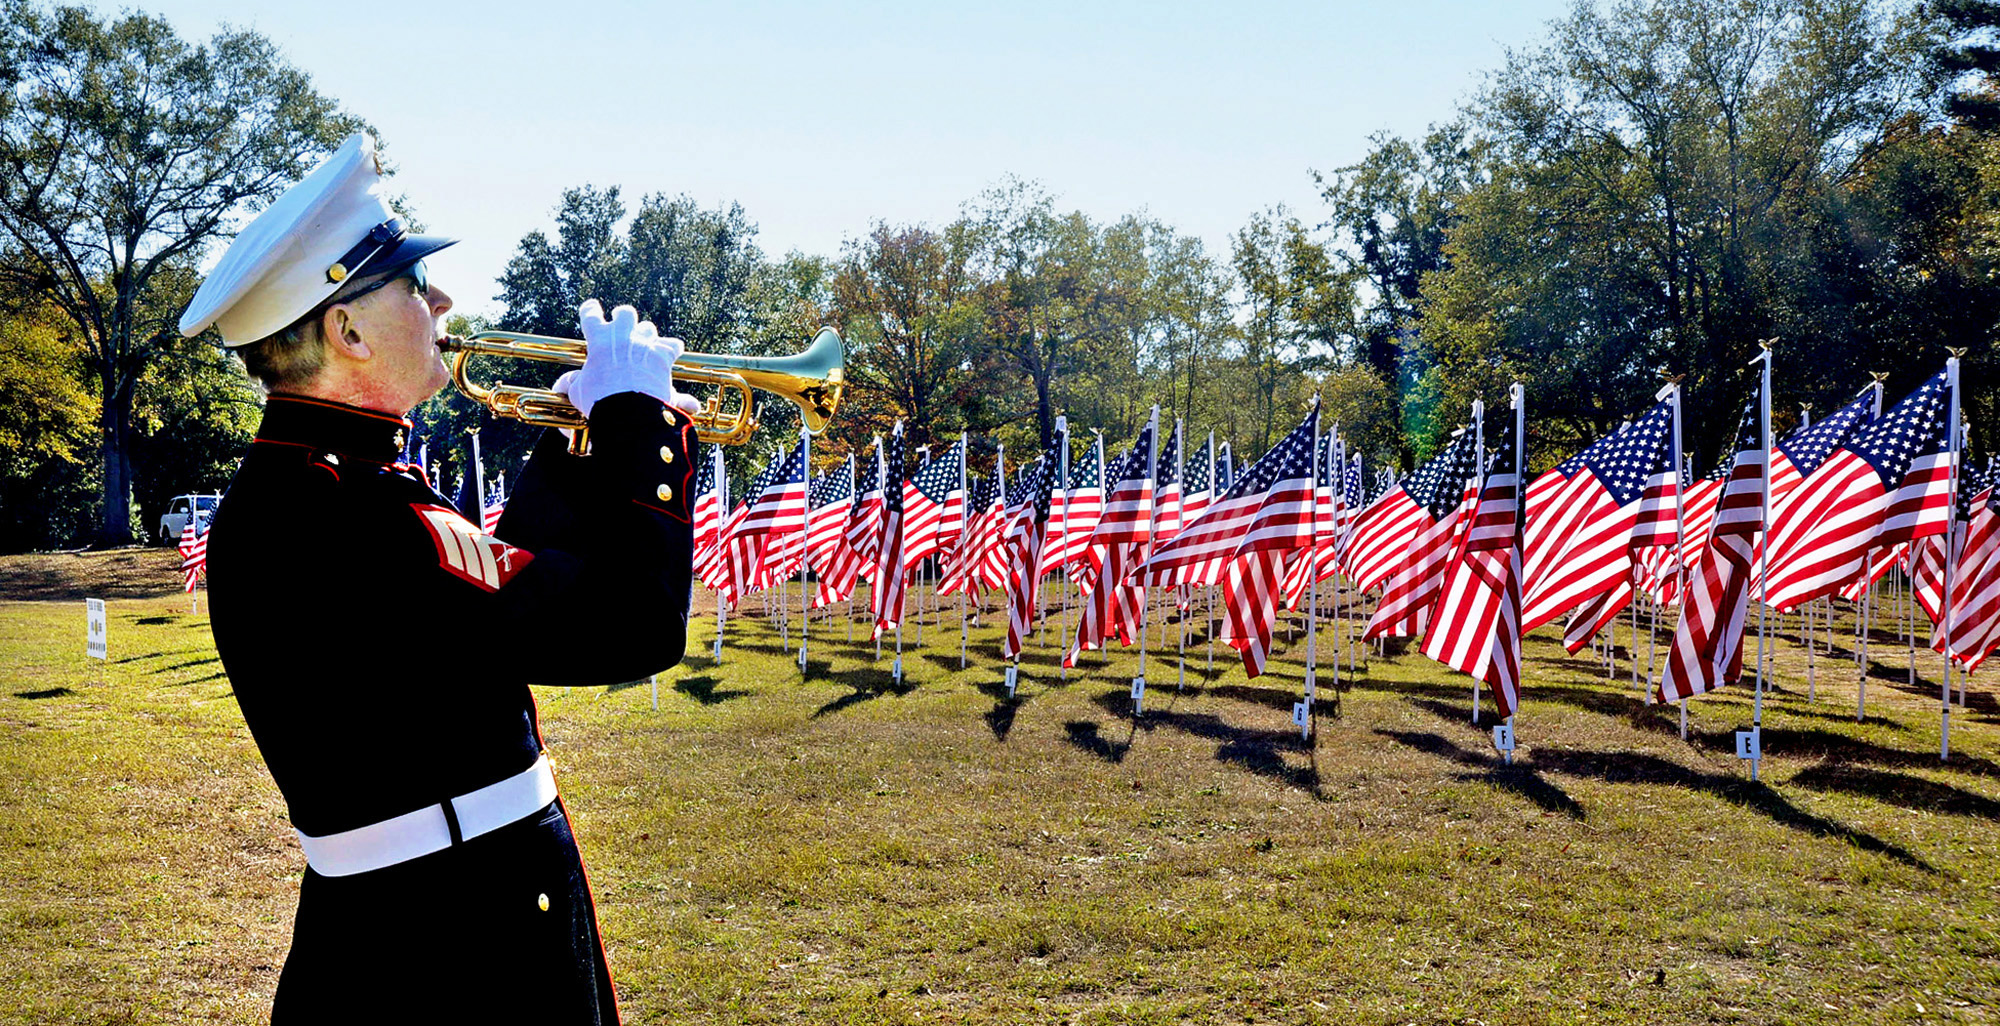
(1439, 485)
(836, 485)
(1085, 471)
(1195, 475)
(1917, 426)
(1749, 432)
(1291, 459)
(1132, 466)
(1225, 468)
(892, 494)
(1169, 471)
(941, 476)
(1809, 446)
(1623, 462)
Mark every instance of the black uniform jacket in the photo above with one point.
(380, 647)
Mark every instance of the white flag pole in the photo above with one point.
(1861, 642)
(1950, 554)
(721, 541)
(805, 550)
(1311, 557)
(1145, 547)
(1517, 398)
(965, 539)
(1763, 533)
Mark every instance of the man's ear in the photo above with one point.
(342, 332)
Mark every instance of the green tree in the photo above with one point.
(1970, 61)
(1297, 311)
(124, 152)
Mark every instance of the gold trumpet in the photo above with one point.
(811, 380)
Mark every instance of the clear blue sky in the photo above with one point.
(821, 120)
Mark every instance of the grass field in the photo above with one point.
(842, 851)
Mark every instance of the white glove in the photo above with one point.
(624, 354)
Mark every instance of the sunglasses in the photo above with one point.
(415, 272)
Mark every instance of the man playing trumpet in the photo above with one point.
(443, 882)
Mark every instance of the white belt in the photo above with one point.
(430, 829)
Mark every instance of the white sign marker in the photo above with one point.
(97, 638)
(1749, 745)
(1503, 738)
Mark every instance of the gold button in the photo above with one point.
(542, 902)
(667, 415)
(666, 494)
(666, 455)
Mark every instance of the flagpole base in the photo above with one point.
(1138, 695)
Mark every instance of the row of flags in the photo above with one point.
(1467, 552)
(1159, 514)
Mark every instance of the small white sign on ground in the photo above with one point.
(97, 636)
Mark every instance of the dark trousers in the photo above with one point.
(456, 936)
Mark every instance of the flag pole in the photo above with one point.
(1950, 556)
(1517, 397)
(1763, 533)
(965, 529)
(805, 550)
(722, 542)
(1479, 466)
(1861, 641)
(1145, 548)
(1311, 557)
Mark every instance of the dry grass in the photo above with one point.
(840, 850)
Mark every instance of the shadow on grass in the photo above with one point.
(183, 666)
(1255, 749)
(1085, 734)
(867, 684)
(154, 621)
(1640, 768)
(1899, 789)
(55, 692)
(1520, 778)
(701, 688)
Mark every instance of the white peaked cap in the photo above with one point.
(333, 225)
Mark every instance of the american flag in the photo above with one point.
(1197, 482)
(1387, 528)
(489, 515)
(1975, 586)
(961, 567)
(774, 514)
(1927, 570)
(194, 551)
(1477, 626)
(1083, 510)
(1349, 508)
(1541, 535)
(990, 571)
(1699, 504)
(1225, 469)
(706, 512)
(886, 599)
(934, 502)
(1623, 497)
(1888, 485)
(1055, 529)
(1167, 497)
(1281, 527)
(864, 525)
(1026, 520)
(833, 563)
(1318, 564)
(1118, 544)
(1247, 532)
(1708, 643)
(1800, 454)
(1417, 577)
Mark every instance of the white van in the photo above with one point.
(175, 519)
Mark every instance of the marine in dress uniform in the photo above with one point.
(443, 881)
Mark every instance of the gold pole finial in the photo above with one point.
(1957, 352)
